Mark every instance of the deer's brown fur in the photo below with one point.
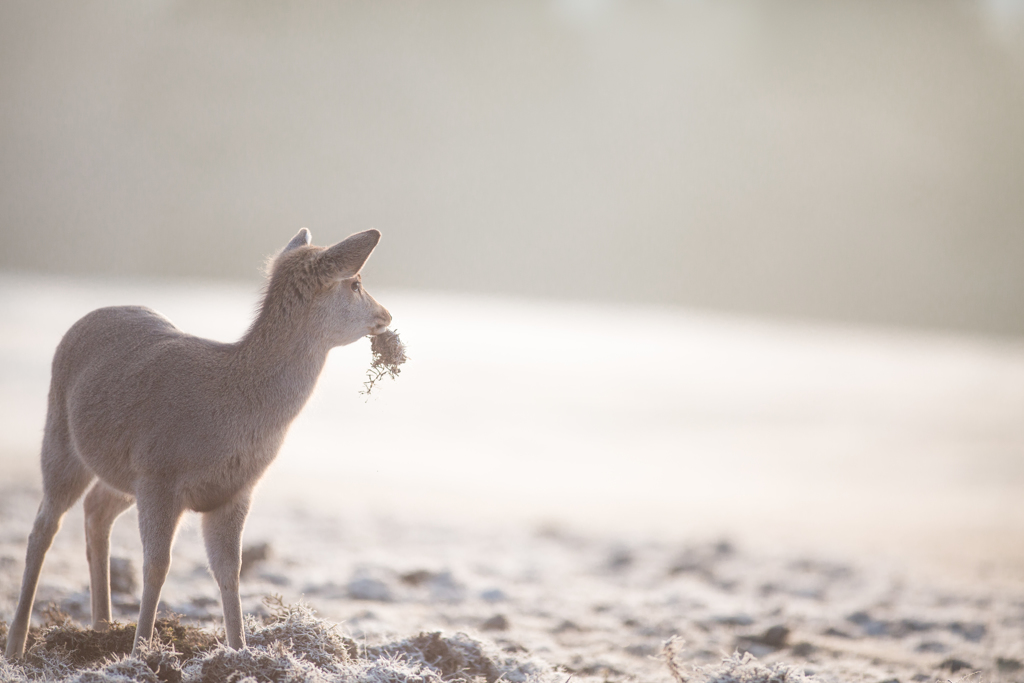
(173, 422)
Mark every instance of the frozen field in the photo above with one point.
(601, 479)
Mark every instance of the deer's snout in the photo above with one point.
(382, 320)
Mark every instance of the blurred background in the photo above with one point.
(667, 266)
(851, 161)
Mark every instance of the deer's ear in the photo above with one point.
(346, 258)
(301, 239)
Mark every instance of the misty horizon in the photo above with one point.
(854, 163)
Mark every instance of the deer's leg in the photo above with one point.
(102, 506)
(222, 531)
(64, 480)
(159, 514)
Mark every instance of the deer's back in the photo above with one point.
(139, 397)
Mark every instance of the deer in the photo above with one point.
(148, 414)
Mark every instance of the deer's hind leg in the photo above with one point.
(159, 515)
(102, 506)
(222, 531)
(65, 478)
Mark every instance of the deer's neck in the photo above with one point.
(278, 364)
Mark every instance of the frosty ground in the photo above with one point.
(544, 603)
(571, 486)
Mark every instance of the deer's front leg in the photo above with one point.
(222, 531)
(159, 515)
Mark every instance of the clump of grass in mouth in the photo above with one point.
(388, 355)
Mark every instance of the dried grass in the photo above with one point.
(289, 646)
(670, 650)
(388, 355)
(61, 649)
(461, 658)
(736, 668)
(745, 668)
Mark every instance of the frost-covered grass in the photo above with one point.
(399, 601)
(291, 645)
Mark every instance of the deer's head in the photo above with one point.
(321, 289)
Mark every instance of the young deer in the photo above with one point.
(174, 422)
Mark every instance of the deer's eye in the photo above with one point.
(355, 286)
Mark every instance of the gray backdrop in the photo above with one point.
(850, 161)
